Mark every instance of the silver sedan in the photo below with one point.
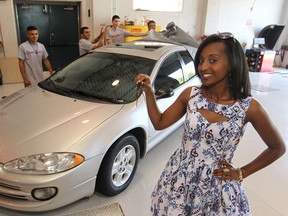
(86, 127)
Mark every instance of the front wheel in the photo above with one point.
(118, 166)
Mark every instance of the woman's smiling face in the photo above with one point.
(213, 66)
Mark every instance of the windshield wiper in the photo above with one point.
(82, 95)
(52, 87)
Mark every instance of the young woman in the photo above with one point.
(199, 178)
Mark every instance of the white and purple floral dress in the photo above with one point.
(186, 186)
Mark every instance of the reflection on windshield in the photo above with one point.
(103, 76)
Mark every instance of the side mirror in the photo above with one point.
(164, 92)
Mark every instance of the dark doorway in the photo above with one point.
(58, 25)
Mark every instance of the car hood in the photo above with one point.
(36, 121)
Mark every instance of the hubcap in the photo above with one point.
(123, 165)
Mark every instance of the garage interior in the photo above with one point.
(248, 20)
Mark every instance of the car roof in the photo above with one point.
(155, 44)
(143, 48)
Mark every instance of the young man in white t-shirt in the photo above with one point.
(116, 35)
(85, 45)
(31, 54)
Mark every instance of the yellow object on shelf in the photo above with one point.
(136, 28)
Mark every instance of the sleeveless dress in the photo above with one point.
(186, 186)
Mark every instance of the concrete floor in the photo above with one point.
(266, 189)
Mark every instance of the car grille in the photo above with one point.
(14, 192)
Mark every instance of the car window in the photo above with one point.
(106, 76)
(170, 73)
(188, 68)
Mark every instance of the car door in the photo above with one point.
(171, 74)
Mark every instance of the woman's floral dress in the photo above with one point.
(186, 186)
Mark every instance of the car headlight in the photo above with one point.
(48, 163)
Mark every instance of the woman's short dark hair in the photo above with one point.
(240, 85)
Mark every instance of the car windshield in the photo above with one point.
(105, 76)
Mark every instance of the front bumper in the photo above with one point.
(79, 182)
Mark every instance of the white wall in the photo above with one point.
(8, 27)
(246, 18)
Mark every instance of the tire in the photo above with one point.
(118, 166)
